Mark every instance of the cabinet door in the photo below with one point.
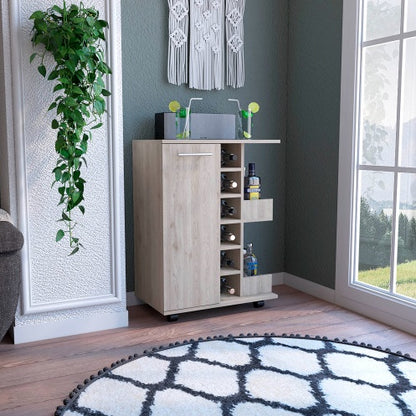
(191, 215)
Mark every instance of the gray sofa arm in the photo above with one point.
(11, 239)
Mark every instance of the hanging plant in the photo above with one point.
(73, 36)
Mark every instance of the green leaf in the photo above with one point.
(42, 70)
(101, 23)
(57, 9)
(77, 90)
(55, 124)
(82, 209)
(52, 106)
(64, 153)
(106, 93)
(99, 106)
(33, 56)
(97, 126)
(59, 144)
(37, 15)
(90, 21)
(75, 197)
(58, 87)
(75, 250)
(65, 217)
(70, 66)
(66, 177)
(58, 174)
(60, 235)
(53, 75)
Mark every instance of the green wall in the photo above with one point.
(314, 68)
(146, 91)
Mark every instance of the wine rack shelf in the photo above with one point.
(180, 219)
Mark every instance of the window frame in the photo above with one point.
(362, 298)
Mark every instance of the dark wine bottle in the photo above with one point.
(252, 183)
(228, 184)
(227, 236)
(225, 287)
(227, 210)
(227, 157)
(225, 260)
(250, 261)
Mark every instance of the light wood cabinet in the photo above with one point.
(177, 225)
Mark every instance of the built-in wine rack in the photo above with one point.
(245, 211)
(233, 170)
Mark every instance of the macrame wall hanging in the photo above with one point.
(206, 46)
(178, 41)
(234, 14)
(215, 29)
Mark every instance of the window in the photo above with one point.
(376, 253)
(385, 192)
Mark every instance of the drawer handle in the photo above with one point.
(195, 154)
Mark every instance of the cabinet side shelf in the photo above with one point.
(228, 271)
(231, 169)
(230, 195)
(230, 246)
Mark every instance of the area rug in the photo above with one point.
(252, 375)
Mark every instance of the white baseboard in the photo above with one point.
(311, 288)
(132, 300)
(73, 326)
(278, 278)
(370, 311)
(361, 308)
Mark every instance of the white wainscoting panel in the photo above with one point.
(57, 287)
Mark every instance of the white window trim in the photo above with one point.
(395, 312)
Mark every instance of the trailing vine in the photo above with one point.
(73, 36)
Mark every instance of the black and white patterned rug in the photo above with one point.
(252, 375)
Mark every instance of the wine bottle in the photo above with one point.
(250, 261)
(225, 260)
(227, 236)
(227, 210)
(227, 157)
(225, 287)
(228, 184)
(252, 183)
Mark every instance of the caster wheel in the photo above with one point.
(172, 318)
(258, 304)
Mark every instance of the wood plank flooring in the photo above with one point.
(36, 377)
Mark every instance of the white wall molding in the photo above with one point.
(278, 278)
(115, 168)
(54, 286)
(41, 331)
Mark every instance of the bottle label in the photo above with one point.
(252, 192)
(251, 268)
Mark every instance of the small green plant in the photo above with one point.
(72, 36)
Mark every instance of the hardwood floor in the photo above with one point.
(36, 377)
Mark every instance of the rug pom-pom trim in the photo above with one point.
(74, 394)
